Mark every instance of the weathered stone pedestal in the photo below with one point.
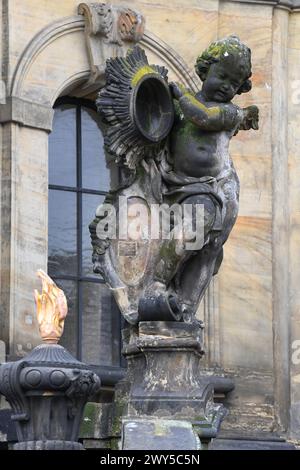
(168, 404)
(47, 391)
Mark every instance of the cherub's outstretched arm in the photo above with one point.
(214, 118)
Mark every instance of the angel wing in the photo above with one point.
(136, 104)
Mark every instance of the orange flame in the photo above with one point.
(52, 309)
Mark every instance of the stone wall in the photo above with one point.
(252, 308)
(292, 314)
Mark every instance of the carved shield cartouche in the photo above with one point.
(131, 255)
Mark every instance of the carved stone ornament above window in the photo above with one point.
(110, 30)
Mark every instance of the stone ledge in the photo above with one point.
(26, 113)
(244, 444)
(290, 5)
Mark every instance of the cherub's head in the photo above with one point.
(225, 68)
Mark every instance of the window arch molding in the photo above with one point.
(48, 46)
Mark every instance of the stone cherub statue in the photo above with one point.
(172, 146)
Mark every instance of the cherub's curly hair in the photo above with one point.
(227, 46)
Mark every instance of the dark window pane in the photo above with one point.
(101, 326)
(62, 147)
(95, 173)
(70, 334)
(90, 202)
(100, 339)
(62, 246)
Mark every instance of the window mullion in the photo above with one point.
(79, 227)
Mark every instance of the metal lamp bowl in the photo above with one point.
(152, 107)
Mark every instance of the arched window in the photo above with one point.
(79, 178)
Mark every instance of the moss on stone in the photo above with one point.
(230, 46)
(212, 111)
(114, 444)
(167, 250)
(141, 73)
(160, 429)
(87, 428)
(120, 404)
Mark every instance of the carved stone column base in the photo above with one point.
(166, 395)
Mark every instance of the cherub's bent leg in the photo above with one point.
(173, 253)
(195, 277)
(159, 301)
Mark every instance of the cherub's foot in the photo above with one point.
(158, 304)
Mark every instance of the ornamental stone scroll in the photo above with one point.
(110, 30)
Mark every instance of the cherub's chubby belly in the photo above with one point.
(198, 153)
